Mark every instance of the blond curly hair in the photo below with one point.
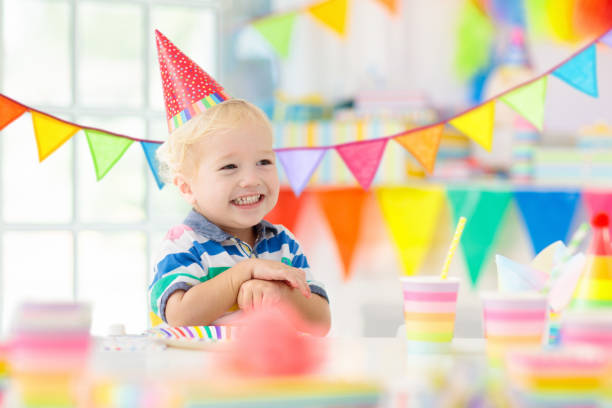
(176, 155)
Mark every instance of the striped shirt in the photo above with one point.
(198, 250)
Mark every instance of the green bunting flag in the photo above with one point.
(277, 31)
(484, 211)
(528, 101)
(106, 150)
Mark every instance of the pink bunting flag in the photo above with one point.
(299, 165)
(363, 158)
(597, 201)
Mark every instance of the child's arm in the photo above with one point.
(204, 303)
(314, 309)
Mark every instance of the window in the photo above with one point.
(65, 236)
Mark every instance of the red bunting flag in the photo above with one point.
(9, 111)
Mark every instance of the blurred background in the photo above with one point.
(387, 66)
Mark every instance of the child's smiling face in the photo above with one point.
(235, 182)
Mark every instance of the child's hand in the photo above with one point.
(277, 271)
(256, 293)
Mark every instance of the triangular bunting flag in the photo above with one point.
(485, 211)
(50, 133)
(547, 215)
(423, 145)
(299, 164)
(581, 72)
(277, 31)
(598, 201)
(391, 5)
(287, 208)
(477, 124)
(528, 101)
(332, 13)
(149, 151)
(607, 39)
(363, 158)
(343, 209)
(9, 111)
(411, 214)
(105, 150)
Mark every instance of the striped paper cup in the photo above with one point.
(592, 328)
(513, 320)
(429, 311)
(563, 377)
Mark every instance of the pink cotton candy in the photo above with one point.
(268, 344)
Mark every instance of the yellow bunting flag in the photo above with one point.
(106, 150)
(50, 133)
(9, 111)
(391, 5)
(477, 124)
(332, 13)
(423, 145)
(529, 101)
(411, 214)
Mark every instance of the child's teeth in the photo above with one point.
(247, 200)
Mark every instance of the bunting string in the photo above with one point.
(361, 157)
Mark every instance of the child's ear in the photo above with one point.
(184, 188)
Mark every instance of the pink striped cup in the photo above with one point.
(513, 320)
(429, 311)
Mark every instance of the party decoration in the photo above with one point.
(188, 89)
(363, 158)
(580, 71)
(287, 209)
(332, 14)
(529, 101)
(50, 133)
(607, 38)
(149, 149)
(343, 210)
(474, 40)
(411, 215)
(562, 290)
(598, 201)
(277, 31)
(547, 214)
(560, 18)
(592, 17)
(423, 145)
(477, 124)
(9, 111)
(515, 277)
(485, 210)
(391, 5)
(453, 246)
(299, 164)
(595, 287)
(106, 150)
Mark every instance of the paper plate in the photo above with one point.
(194, 336)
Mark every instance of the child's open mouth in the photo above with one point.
(247, 201)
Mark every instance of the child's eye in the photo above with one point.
(264, 162)
(228, 167)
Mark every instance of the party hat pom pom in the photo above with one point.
(600, 220)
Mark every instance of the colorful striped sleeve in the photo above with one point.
(298, 260)
(178, 268)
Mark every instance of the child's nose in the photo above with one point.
(249, 178)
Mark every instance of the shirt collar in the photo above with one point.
(208, 229)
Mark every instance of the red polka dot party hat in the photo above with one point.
(188, 89)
